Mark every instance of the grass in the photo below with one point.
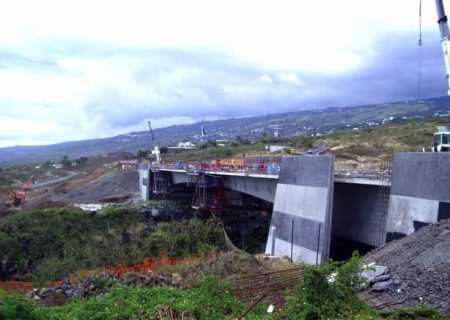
(213, 300)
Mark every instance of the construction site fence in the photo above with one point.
(148, 265)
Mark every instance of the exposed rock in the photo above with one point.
(383, 285)
(372, 271)
(381, 278)
(78, 293)
(56, 299)
(130, 278)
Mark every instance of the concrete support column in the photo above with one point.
(301, 219)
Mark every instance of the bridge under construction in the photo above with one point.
(314, 201)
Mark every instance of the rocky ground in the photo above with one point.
(418, 270)
(97, 286)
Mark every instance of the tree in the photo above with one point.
(66, 161)
(141, 153)
(81, 160)
(163, 150)
(47, 164)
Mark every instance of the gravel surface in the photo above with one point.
(419, 266)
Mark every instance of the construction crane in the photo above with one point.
(441, 138)
(445, 36)
(156, 152)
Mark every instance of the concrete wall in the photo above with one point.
(262, 188)
(420, 189)
(301, 219)
(356, 214)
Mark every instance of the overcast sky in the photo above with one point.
(72, 70)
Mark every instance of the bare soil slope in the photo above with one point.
(419, 264)
(106, 187)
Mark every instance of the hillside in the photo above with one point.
(288, 124)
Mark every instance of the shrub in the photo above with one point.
(327, 292)
(52, 243)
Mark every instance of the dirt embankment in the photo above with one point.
(419, 266)
(100, 186)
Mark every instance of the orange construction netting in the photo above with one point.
(149, 264)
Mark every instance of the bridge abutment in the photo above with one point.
(420, 192)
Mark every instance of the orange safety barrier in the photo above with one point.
(149, 264)
(14, 287)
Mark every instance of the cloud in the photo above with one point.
(289, 78)
(63, 79)
(266, 79)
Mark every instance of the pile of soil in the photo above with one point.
(419, 266)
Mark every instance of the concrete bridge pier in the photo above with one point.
(301, 218)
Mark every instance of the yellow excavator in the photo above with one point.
(17, 198)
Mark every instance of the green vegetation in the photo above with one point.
(49, 244)
(166, 208)
(213, 300)
(410, 135)
(326, 293)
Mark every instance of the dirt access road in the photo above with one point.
(46, 183)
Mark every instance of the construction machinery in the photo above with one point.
(16, 199)
(156, 152)
(27, 186)
(441, 139)
(445, 38)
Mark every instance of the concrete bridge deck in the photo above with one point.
(365, 177)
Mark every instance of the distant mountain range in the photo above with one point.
(287, 124)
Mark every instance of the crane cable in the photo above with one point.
(419, 77)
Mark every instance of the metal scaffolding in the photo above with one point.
(161, 183)
(209, 193)
(382, 204)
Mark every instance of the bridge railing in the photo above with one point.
(269, 166)
(365, 173)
